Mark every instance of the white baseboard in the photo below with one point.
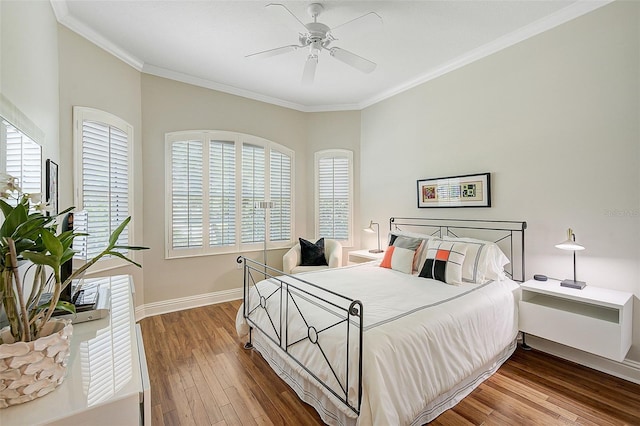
(627, 369)
(180, 304)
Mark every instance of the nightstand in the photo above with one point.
(361, 256)
(594, 319)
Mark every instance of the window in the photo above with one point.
(222, 190)
(334, 194)
(253, 191)
(103, 147)
(216, 179)
(281, 196)
(21, 158)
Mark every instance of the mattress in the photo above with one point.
(426, 344)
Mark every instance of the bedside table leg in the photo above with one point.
(524, 343)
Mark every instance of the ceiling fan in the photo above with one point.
(318, 37)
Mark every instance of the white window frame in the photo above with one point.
(17, 119)
(80, 114)
(239, 139)
(35, 184)
(333, 153)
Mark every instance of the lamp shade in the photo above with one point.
(376, 230)
(370, 228)
(570, 242)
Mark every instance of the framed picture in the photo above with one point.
(52, 186)
(455, 191)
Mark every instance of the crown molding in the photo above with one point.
(562, 16)
(61, 11)
(210, 84)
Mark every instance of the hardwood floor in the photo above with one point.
(201, 375)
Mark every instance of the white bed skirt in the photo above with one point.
(327, 407)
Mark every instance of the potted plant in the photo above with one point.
(34, 347)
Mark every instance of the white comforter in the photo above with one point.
(422, 337)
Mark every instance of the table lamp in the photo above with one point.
(370, 229)
(570, 244)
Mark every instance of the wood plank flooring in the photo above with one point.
(201, 375)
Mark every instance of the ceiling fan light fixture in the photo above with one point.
(318, 37)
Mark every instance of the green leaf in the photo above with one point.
(17, 216)
(66, 306)
(41, 259)
(67, 255)
(24, 244)
(122, 256)
(6, 208)
(52, 243)
(130, 248)
(66, 238)
(114, 236)
(29, 229)
(65, 211)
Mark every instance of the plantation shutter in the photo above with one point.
(253, 187)
(280, 188)
(105, 183)
(334, 197)
(222, 193)
(23, 159)
(217, 181)
(187, 194)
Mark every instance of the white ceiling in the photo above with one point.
(205, 42)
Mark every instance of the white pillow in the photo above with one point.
(444, 261)
(398, 259)
(483, 262)
(421, 251)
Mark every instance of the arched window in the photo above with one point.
(216, 182)
(334, 194)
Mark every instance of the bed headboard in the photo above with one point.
(507, 234)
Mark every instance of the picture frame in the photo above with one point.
(455, 191)
(51, 192)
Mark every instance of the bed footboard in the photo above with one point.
(307, 323)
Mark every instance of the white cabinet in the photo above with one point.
(595, 320)
(361, 256)
(107, 380)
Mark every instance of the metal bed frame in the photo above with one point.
(505, 233)
(288, 295)
(289, 292)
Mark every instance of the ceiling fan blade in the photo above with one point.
(310, 70)
(368, 19)
(275, 52)
(281, 6)
(352, 59)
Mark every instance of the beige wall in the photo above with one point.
(29, 66)
(170, 106)
(333, 130)
(91, 77)
(555, 120)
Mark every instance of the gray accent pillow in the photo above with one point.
(406, 242)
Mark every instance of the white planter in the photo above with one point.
(29, 370)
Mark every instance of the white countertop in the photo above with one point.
(103, 365)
